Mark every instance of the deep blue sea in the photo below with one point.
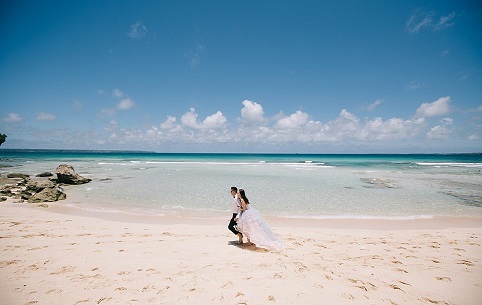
(367, 186)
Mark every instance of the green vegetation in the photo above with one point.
(2, 138)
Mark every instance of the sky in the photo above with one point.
(242, 76)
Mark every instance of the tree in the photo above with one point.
(2, 138)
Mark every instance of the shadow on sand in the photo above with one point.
(244, 246)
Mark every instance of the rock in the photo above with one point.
(37, 186)
(24, 195)
(50, 194)
(6, 190)
(17, 175)
(43, 205)
(66, 174)
(45, 174)
(3, 199)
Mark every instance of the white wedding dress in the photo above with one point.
(254, 227)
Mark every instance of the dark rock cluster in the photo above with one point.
(21, 186)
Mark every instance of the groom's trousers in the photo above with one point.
(232, 225)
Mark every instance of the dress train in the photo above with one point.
(252, 224)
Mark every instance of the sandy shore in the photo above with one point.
(49, 257)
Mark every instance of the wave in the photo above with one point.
(262, 162)
(360, 217)
(449, 164)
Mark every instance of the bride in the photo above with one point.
(252, 225)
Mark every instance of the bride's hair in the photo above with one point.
(243, 196)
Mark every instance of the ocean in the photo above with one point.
(319, 186)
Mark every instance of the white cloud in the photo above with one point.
(447, 121)
(214, 121)
(445, 21)
(12, 118)
(189, 119)
(442, 131)
(77, 104)
(125, 104)
(293, 130)
(294, 121)
(169, 123)
(439, 132)
(413, 85)
(195, 56)
(107, 112)
(137, 30)
(419, 20)
(45, 116)
(252, 114)
(391, 129)
(117, 93)
(479, 108)
(374, 105)
(112, 125)
(436, 108)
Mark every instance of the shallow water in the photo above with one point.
(312, 186)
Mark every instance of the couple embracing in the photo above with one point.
(248, 222)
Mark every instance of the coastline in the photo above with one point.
(61, 253)
(431, 223)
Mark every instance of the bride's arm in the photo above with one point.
(243, 205)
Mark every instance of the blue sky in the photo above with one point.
(242, 76)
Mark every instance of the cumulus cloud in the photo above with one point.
(189, 119)
(293, 121)
(137, 30)
(420, 19)
(169, 123)
(214, 121)
(12, 118)
(125, 104)
(45, 116)
(252, 113)
(293, 129)
(442, 131)
(436, 108)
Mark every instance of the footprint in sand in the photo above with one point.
(465, 262)
(393, 286)
(348, 296)
(443, 279)
(7, 263)
(103, 299)
(278, 276)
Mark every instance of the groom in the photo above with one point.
(235, 208)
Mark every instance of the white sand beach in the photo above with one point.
(60, 256)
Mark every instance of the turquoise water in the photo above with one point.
(286, 185)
